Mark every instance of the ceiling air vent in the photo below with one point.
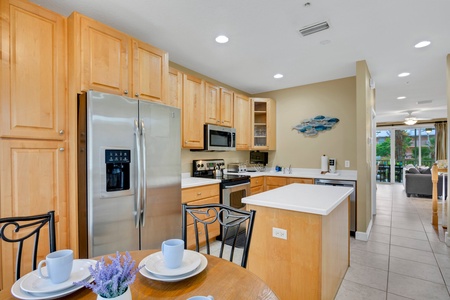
(424, 101)
(310, 29)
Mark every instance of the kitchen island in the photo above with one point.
(301, 239)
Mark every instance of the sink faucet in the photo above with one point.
(290, 169)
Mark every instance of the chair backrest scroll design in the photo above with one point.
(33, 222)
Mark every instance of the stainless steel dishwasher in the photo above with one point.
(346, 183)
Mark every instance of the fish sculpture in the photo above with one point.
(315, 125)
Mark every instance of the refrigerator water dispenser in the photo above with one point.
(117, 170)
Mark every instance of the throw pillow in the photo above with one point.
(413, 170)
(407, 167)
(425, 170)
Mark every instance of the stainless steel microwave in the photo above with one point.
(219, 138)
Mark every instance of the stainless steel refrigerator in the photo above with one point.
(129, 174)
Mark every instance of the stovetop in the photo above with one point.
(207, 168)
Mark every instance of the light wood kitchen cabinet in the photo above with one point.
(226, 107)
(100, 56)
(256, 185)
(263, 124)
(34, 74)
(300, 180)
(198, 196)
(33, 180)
(33, 133)
(212, 104)
(107, 60)
(150, 72)
(193, 112)
(218, 105)
(175, 88)
(273, 182)
(242, 121)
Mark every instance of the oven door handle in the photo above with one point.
(235, 186)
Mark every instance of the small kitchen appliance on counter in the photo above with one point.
(236, 168)
(332, 165)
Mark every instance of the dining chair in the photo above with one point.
(236, 227)
(30, 226)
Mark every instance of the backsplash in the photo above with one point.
(230, 157)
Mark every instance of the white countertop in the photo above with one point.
(307, 173)
(307, 198)
(187, 182)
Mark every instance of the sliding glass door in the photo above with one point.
(399, 147)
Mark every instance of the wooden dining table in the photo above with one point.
(221, 279)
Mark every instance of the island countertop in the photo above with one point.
(307, 198)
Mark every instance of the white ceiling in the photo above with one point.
(264, 40)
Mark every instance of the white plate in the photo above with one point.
(17, 292)
(200, 268)
(154, 263)
(32, 283)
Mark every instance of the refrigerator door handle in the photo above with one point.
(144, 174)
(137, 212)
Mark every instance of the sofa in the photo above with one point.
(418, 182)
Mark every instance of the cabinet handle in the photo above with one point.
(199, 193)
(136, 95)
(61, 149)
(61, 132)
(125, 92)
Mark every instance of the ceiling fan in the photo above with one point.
(409, 119)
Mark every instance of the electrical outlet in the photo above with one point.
(347, 164)
(279, 233)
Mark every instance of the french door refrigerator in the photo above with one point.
(129, 174)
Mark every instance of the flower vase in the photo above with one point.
(124, 296)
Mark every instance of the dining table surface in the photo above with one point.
(221, 279)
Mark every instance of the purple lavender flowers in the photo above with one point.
(112, 280)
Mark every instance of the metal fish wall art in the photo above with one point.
(315, 125)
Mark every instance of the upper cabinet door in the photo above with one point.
(175, 88)
(33, 72)
(104, 57)
(226, 107)
(242, 121)
(150, 72)
(212, 104)
(193, 112)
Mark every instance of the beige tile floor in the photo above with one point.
(405, 257)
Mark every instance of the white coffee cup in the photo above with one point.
(201, 298)
(59, 266)
(173, 251)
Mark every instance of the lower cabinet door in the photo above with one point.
(33, 180)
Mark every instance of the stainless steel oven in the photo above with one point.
(232, 193)
(233, 187)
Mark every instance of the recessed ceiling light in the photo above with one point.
(401, 97)
(404, 74)
(422, 44)
(277, 76)
(221, 39)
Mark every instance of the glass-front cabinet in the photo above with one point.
(263, 124)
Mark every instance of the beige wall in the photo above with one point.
(365, 104)
(336, 98)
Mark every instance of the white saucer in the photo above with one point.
(203, 263)
(154, 263)
(32, 283)
(17, 292)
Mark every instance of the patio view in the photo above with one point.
(397, 148)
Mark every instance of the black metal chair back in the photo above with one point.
(236, 226)
(33, 223)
